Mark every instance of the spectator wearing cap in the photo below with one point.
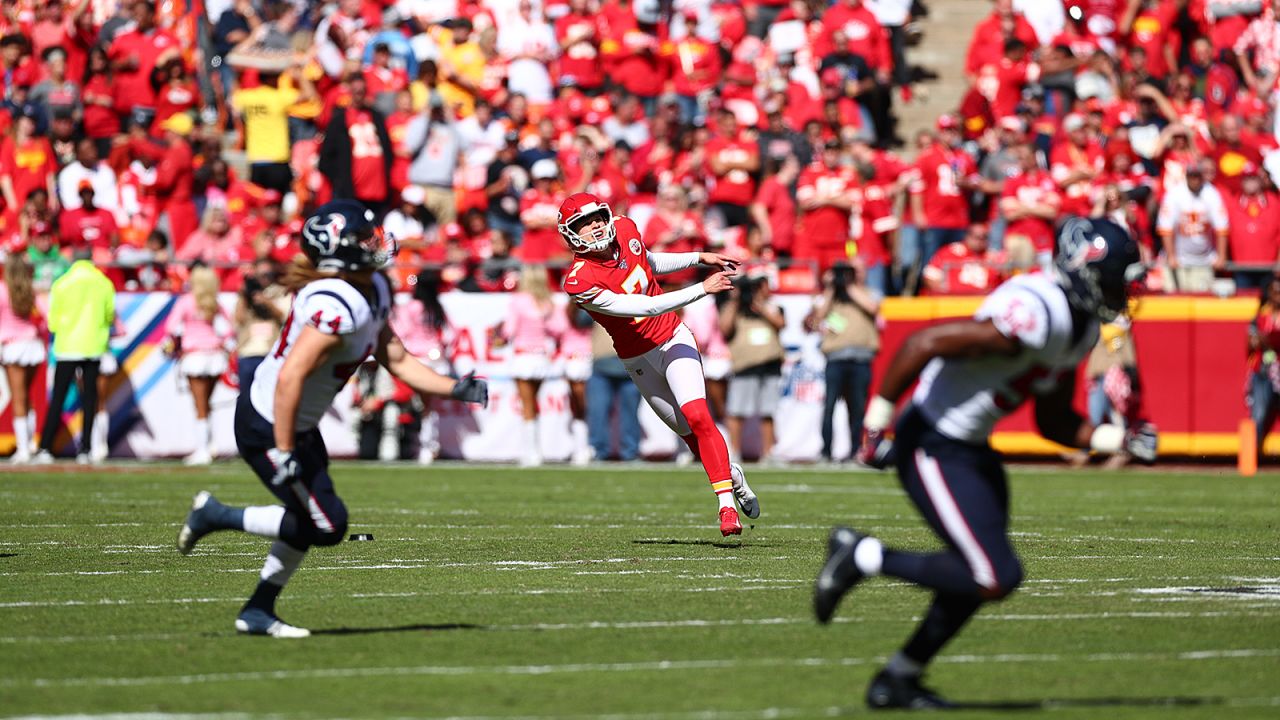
(263, 113)
(966, 267)
(175, 175)
(1074, 164)
(391, 38)
(825, 193)
(135, 53)
(539, 213)
(1193, 227)
(462, 66)
(1029, 204)
(696, 70)
(88, 168)
(88, 224)
(434, 151)
(733, 158)
(940, 181)
(578, 33)
(774, 208)
(47, 261)
(356, 153)
(505, 182)
(1254, 225)
(27, 162)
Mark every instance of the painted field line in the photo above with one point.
(673, 624)
(620, 667)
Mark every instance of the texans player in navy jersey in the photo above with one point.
(1027, 338)
(338, 320)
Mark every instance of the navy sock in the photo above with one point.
(264, 597)
(224, 517)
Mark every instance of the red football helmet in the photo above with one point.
(578, 210)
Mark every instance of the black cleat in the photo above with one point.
(904, 693)
(838, 575)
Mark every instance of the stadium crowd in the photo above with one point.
(162, 136)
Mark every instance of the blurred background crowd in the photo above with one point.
(158, 136)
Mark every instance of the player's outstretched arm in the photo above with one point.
(309, 352)
(392, 355)
(963, 339)
(1057, 420)
(607, 302)
(667, 263)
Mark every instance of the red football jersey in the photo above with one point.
(940, 171)
(627, 273)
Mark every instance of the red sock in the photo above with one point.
(708, 445)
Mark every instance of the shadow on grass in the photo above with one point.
(1100, 702)
(707, 543)
(8, 555)
(421, 627)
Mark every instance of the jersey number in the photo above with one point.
(637, 283)
(284, 335)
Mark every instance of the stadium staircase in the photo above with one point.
(947, 31)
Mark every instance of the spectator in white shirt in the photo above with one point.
(530, 44)
(1193, 228)
(1046, 17)
(88, 167)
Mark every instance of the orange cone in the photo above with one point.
(1247, 461)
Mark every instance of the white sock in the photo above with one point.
(388, 447)
(868, 556)
(22, 434)
(725, 499)
(429, 433)
(578, 430)
(31, 424)
(902, 666)
(101, 429)
(281, 563)
(202, 435)
(264, 520)
(529, 434)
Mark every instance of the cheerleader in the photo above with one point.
(575, 349)
(22, 351)
(198, 331)
(424, 331)
(532, 321)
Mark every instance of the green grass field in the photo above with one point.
(496, 592)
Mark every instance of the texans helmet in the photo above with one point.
(1098, 265)
(343, 235)
(578, 210)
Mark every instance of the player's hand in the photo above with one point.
(724, 262)
(286, 465)
(471, 389)
(876, 450)
(1141, 442)
(718, 283)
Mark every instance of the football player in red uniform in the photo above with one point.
(612, 278)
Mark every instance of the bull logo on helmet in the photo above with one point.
(323, 232)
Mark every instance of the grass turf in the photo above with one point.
(561, 593)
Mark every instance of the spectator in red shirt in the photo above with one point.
(356, 154)
(578, 33)
(944, 177)
(825, 194)
(732, 159)
(101, 123)
(696, 71)
(1232, 154)
(540, 212)
(89, 225)
(774, 209)
(674, 229)
(990, 35)
(175, 174)
(964, 267)
(867, 37)
(178, 93)
(1030, 204)
(1254, 227)
(27, 162)
(1149, 24)
(1074, 164)
(135, 54)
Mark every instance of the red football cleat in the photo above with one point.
(729, 523)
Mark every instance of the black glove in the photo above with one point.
(471, 389)
(1141, 441)
(286, 465)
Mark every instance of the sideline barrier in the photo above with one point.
(1191, 356)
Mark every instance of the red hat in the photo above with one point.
(1093, 105)
(831, 76)
(1250, 168)
(271, 197)
(948, 122)
(84, 184)
(452, 231)
(40, 227)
